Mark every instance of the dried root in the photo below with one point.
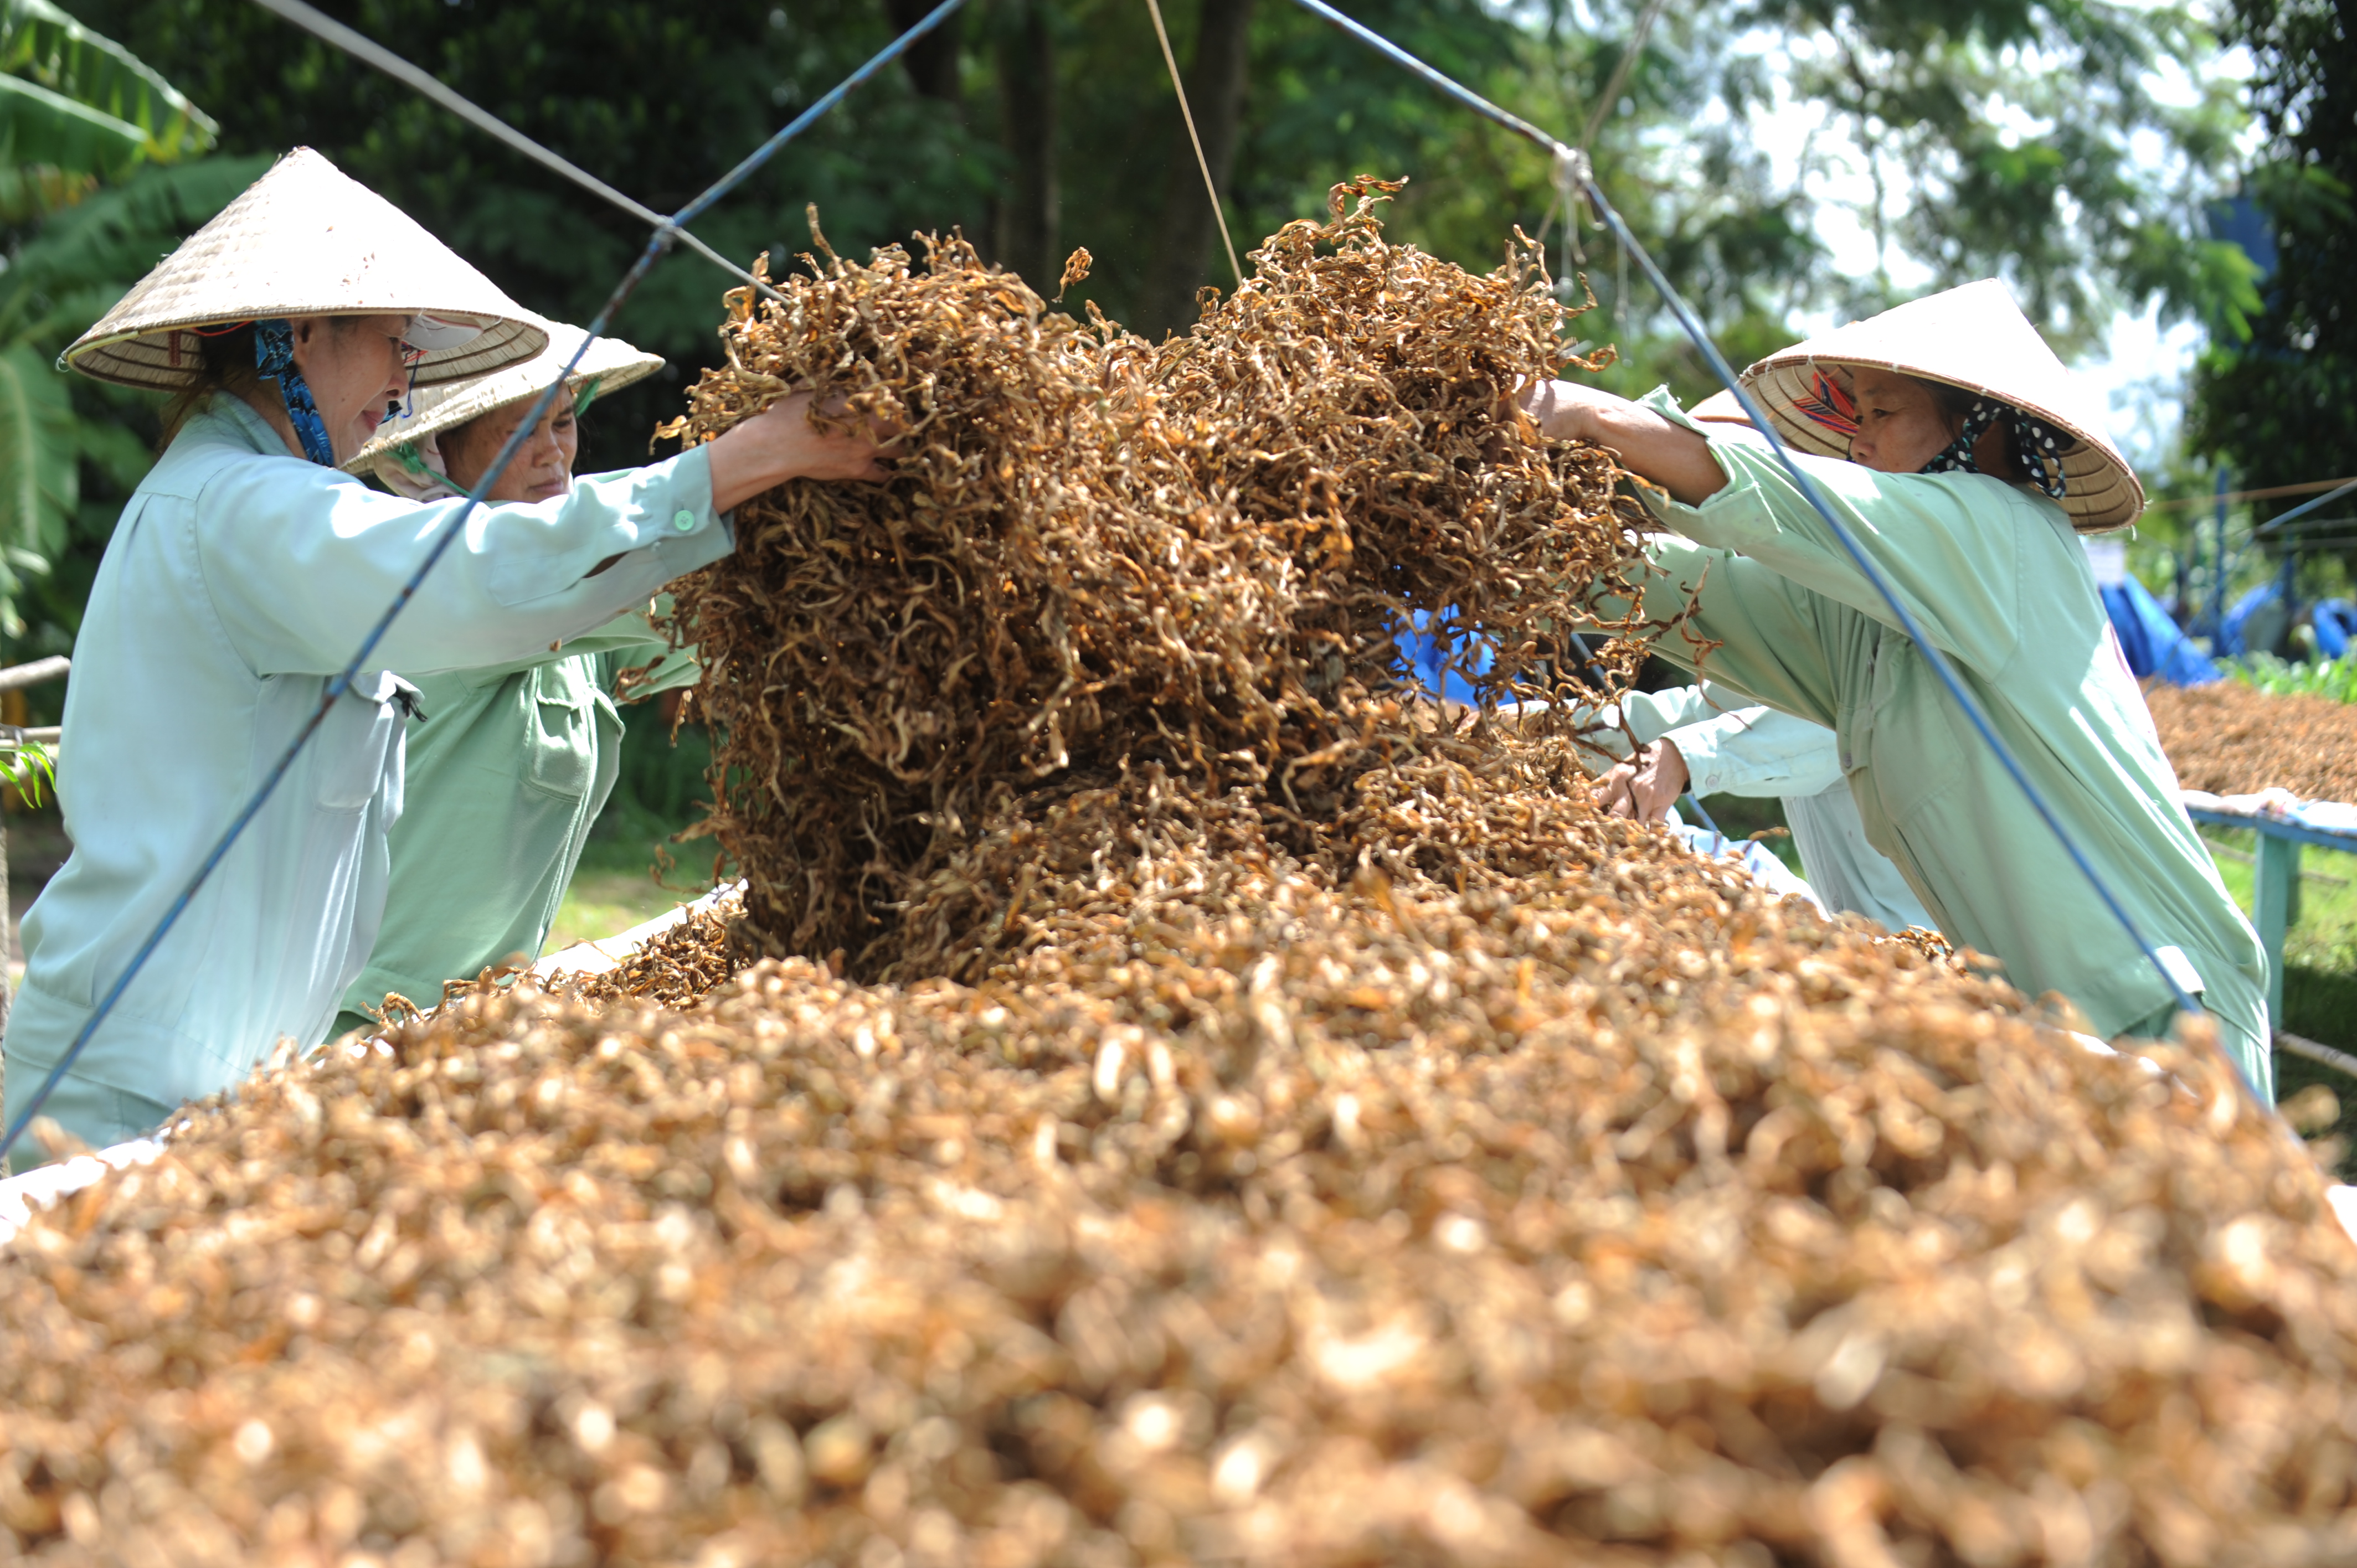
(1606, 1211)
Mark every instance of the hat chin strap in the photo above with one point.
(273, 356)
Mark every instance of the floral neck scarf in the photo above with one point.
(2036, 445)
(273, 356)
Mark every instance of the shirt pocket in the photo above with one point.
(1913, 749)
(561, 726)
(354, 747)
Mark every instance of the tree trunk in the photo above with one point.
(932, 60)
(1024, 234)
(1187, 253)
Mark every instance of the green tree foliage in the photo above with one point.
(2000, 131)
(2279, 404)
(2014, 130)
(77, 110)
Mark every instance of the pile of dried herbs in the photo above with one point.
(1604, 1211)
(1256, 1118)
(2231, 739)
(1099, 556)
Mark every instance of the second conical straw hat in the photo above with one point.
(609, 365)
(307, 240)
(1976, 337)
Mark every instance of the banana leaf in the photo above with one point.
(41, 476)
(44, 45)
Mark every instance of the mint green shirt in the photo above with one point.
(1994, 574)
(238, 579)
(507, 771)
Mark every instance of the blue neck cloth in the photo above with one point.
(273, 355)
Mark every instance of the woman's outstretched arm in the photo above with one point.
(1650, 446)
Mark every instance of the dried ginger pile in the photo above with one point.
(2231, 739)
(1279, 1128)
(1097, 555)
(1612, 1214)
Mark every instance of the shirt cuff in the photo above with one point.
(1698, 745)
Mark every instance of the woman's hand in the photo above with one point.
(1564, 411)
(781, 444)
(1647, 785)
(1648, 445)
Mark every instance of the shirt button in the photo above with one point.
(683, 520)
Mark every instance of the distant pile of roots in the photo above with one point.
(1174, 571)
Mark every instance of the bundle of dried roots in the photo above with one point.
(1096, 554)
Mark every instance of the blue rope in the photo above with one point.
(804, 121)
(667, 230)
(1574, 166)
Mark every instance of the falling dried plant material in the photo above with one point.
(1098, 554)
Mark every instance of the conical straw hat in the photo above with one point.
(1976, 337)
(610, 363)
(307, 240)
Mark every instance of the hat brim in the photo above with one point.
(2101, 493)
(1975, 338)
(610, 361)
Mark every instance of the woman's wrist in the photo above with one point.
(781, 444)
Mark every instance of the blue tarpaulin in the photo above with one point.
(1426, 656)
(2154, 644)
(2335, 621)
(2243, 633)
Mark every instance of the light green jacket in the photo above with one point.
(238, 581)
(507, 770)
(1994, 574)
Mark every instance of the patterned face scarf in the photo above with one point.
(2036, 445)
(273, 355)
(416, 472)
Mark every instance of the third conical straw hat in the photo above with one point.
(1976, 338)
(307, 240)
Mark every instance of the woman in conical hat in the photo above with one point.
(245, 573)
(1965, 459)
(512, 763)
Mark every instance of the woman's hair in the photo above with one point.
(1955, 405)
(224, 364)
